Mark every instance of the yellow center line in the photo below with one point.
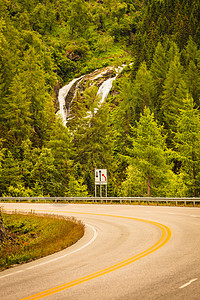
(165, 236)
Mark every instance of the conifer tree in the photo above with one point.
(143, 90)
(9, 173)
(44, 173)
(191, 59)
(148, 155)
(17, 112)
(174, 92)
(60, 143)
(93, 145)
(37, 95)
(80, 17)
(187, 141)
(158, 70)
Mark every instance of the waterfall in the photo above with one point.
(63, 92)
(105, 88)
(69, 90)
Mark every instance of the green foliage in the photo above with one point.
(174, 92)
(44, 44)
(19, 191)
(77, 188)
(148, 154)
(187, 141)
(134, 185)
(9, 172)
(44, 172)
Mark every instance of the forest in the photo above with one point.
(146, 133)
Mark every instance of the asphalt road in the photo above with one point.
(127, 252)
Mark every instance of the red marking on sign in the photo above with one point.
(104, 176)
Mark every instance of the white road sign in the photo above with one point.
(100, 176)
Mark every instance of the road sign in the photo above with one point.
(100, 176)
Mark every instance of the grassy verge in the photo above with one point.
(31, 236)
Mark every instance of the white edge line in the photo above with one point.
(188, 283)
(95, 234)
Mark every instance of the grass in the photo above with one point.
(31, 236)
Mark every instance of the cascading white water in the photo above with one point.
(103, 91)
(106, 86)
(61, 99)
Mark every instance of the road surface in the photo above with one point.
(127, 252)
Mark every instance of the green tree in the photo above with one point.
(191, 59)
(79, 17)
(148, 154)
(60, 143)
(174, 92)
(17, 112)
(77, 188)
(143, 90)
(91, 134)
(9, 172)
(44, 173)
(36, 90)
(158, 70)
(187, 140)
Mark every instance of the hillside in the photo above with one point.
(146, 133)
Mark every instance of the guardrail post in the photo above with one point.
(194, 203)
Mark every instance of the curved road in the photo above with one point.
(127, 252)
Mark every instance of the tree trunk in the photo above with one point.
(2, 229)
(149, 186)
(194, 181)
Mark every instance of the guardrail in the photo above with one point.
(102, 200)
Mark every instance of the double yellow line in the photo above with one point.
(165, 236)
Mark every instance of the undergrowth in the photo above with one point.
(31, 236)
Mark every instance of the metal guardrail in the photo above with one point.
(102, 200)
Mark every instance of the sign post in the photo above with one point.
(100, 179)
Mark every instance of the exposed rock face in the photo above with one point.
(101, 78)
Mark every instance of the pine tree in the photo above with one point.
(187, 140)
(174, 92)
(191, 59)
(9, 172)
(143, 90)
(80, 17)
(60, 143)
(34, 81)
(92, 144)
(148, 154)
(16, 109)
(158, 70)
(44, 173)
